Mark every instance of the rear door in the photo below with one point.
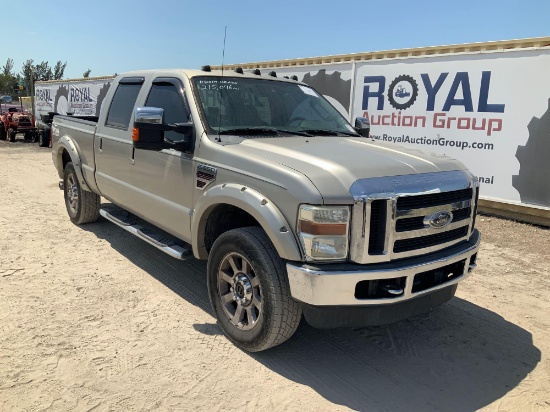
(113, 144)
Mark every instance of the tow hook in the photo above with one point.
(61, 185)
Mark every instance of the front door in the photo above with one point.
(164, 179)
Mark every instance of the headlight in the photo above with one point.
(323, 231)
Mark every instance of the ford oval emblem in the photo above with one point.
(438, 220)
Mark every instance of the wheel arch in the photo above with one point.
(248, 202)
(67, 151)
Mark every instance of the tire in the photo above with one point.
(3, 133)
(82, 206)
(11, 135)
(42, 140)
(268, 314)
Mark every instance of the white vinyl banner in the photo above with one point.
(490, 111)
(84, 97)
(44, 98)
(81, 98)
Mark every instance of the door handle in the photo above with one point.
(100, 145)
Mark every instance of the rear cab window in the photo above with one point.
(123, 102)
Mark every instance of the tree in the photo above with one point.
(42, 71)
(58, 70)
(27, 72)
(7, 69)
(87, 73)
(8, 81)
(30, 73)
(37, 72)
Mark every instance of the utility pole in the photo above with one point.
(20, 89)
(32, 95)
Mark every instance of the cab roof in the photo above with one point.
(190, 73)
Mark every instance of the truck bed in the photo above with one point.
(81, 131)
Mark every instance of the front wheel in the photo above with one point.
(82, 206)
(249, 290)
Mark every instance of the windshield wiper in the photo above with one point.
(261, 131)
(324, 132)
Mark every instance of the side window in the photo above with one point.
(122, 105)
(167, 96)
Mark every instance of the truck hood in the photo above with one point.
(333, 164)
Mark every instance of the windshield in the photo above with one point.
(243, 106)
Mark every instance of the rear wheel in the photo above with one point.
(249, 291)
(3, 133)
(42, 140)
(82, 206)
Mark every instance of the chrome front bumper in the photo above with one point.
(314, 286)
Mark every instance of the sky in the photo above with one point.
(114, 36)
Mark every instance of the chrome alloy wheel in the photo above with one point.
(72, 193)
(239, 291)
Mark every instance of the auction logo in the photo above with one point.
(403, 92)
(444, 93)
(43, 95)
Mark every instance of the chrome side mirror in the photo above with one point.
(148, 115)
(148, 131)
(149, 128)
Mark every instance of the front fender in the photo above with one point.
(254, 203)
(66, 143)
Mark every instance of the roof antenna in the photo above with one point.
(221, 89)
(223, 52)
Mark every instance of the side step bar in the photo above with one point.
(137, 227)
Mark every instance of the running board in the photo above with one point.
(137, 227)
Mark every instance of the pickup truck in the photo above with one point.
(298, 212)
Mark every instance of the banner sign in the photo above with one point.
(44, 98)
(80, 98)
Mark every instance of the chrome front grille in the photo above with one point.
(393, 217)
(415, 243)
(377, 226)
(433, 199)
(417, 222)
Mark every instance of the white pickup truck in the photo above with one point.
(297, 211)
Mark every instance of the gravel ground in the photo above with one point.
(93, 319)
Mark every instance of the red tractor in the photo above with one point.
(16, 121)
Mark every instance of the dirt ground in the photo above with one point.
(93, 319)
